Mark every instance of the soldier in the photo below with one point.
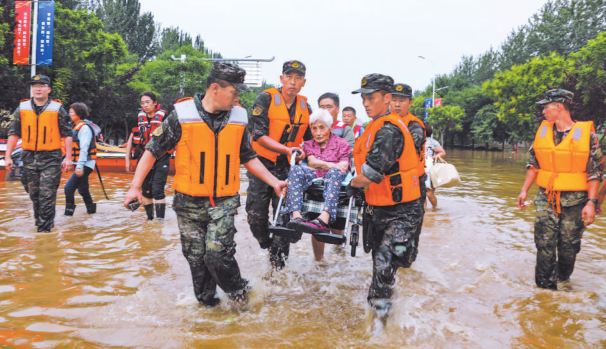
(149, 118)
(211, 142)
(41, 123)
(387, 167)
(330, 102)
(279, 124)
(565, 163)
(401, 101)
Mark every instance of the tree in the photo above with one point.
(137, 30)
(516, 90)
(446, 119)
(590, 74)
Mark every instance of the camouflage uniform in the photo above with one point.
(42, 169)
(260, 195)
(558, 237)
(207, 232)
(418, 135)
(394, 227)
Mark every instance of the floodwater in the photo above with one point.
(114, 280)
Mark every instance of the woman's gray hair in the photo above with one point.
(321, 115)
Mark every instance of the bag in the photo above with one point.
(444, 175)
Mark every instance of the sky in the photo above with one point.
(340, 41)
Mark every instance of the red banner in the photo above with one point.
(438, 102)
(23, 12)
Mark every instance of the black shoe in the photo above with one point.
(69, 211)
(160, 209)
(149, 209)
(210, 302)
(90, 209)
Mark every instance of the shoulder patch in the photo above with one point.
(257, 110)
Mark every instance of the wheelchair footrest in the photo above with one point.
(282, 231)
(330, 238)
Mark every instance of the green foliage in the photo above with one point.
(516, 90)
(164, 75)
(590, 74)
(446, 118)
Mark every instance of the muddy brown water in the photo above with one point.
(114, 280)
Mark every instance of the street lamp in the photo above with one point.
(433, 81)
(181, 78)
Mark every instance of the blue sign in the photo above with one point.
(427, 103)
(44, 44)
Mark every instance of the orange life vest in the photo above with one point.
(407, 119)
(281, 129)
(208, 164)
(40, 132)
(92, 148)
(398, 187)
(563, 167)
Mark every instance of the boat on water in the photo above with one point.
(110, 158)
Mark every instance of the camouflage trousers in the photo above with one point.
(207, 241)
(393, 242)
(421, 208)
(41, 184)
(558, 240)
(258, 199)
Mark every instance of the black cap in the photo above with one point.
(230, 73)
(40, 79)
(375, 82)
(294, 66)
(556, 95)
(400, 89)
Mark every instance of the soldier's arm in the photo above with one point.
(248, 157)
(65, 129)
(418, 135)
(385, 151)
(14, 133)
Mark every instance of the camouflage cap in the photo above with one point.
(40, 79)
(375, 82)
(294, 66)
(556, 95)
(230, 73)
(400, 89)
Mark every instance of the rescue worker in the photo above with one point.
(149, 118)
(602, 192)
(84, 152)
(330, 102)
(349, 117)
(41, 123)
(565, 163)
(279, 124)
(387, 167)
(401, 101)
(211, 142)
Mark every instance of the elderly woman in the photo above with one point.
(328, 157)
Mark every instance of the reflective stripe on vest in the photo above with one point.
(280, 127)
(401, 186)
(563, 167)
(40, 132)
(208, 164)
(92, 148)
(407, 119)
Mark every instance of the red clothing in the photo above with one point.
(337, 150)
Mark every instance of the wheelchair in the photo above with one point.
(348, 216)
